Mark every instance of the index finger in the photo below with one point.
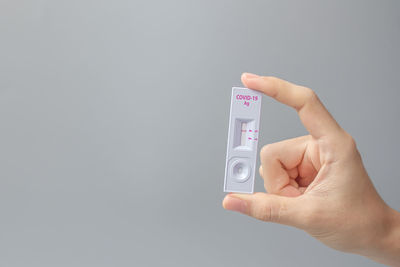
(314, 116)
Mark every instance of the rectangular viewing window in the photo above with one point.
(244, 134)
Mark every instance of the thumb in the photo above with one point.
(268, 207)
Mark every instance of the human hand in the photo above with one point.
(318, 182)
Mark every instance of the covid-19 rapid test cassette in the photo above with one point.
(243, 133)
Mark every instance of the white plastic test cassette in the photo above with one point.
(241, 153)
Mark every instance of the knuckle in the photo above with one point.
(261, 209)
(271, 211)
(277, 211)
(349, 144)
(341, 145)
(309, 95)
(266, 152)
(268, 213)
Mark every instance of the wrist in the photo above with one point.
(386, 247)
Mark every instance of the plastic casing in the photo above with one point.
(241, 156)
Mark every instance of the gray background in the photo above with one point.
(114, 118)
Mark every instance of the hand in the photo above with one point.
(318, 182)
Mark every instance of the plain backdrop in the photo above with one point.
(114, 119)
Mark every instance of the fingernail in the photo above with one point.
(248, 75)
(235, 204)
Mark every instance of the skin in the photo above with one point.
(318, 182)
